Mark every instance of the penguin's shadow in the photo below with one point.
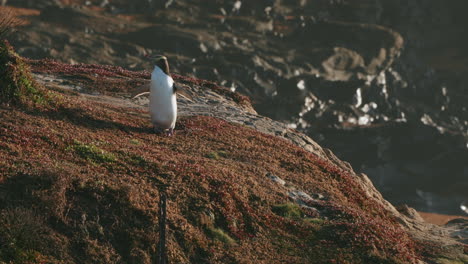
(80, 117)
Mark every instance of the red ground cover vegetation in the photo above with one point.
(109, 79)
(79, 184)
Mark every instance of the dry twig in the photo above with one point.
(7, 22)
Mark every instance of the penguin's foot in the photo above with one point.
(170, 132)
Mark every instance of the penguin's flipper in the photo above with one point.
(182, 90)
(141, 90)
(138, 95)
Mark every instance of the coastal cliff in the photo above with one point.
(80, 171)
(380, 82)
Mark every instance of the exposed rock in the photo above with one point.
(275, 179)
(458, 229)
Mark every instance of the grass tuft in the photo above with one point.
(212, 155)
(219, 234)
(288, 210)
(17, 86)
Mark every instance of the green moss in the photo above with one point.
(288, 210)
(216, 155)
(17, 86)
(135, 141)
(219, 234)
(92, 153)
(212, 155)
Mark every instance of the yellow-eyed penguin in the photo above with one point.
(162, 99)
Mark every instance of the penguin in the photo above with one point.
(162, 97)
(162, 100)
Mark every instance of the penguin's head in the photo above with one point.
(161, 62)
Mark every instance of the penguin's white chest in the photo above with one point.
(163, 103)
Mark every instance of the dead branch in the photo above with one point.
(7, 23)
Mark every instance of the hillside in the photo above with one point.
(382, 83)
(80, 171)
